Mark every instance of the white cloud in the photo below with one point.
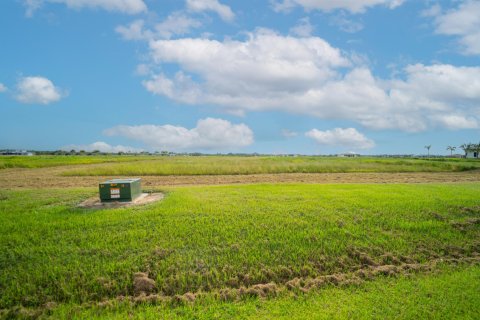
(161, 85)
(247, 74)
(463, 22)
(37, 90)
(268, 71)
(455, 122)
(432, 11)
(123, 6)
(142, 69)
(345, 24)
(175, 24)
(303, 29)
(100, 146)
(3, 88)
(224, 11)
(289, 133)
(348, 137)
(135, 31)
(209, 134)
(354, 6)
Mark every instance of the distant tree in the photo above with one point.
(428, 149)
(451, 149)
(465, 147)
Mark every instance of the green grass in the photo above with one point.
(54, 161)
(453, 293)
(217, 165)
(214, 165)
(207, 238)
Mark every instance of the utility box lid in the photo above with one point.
(120, 190)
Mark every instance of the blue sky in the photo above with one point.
(280, 76)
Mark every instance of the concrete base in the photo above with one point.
(144, 198)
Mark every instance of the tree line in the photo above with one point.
(465, 147)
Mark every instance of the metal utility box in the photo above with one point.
(120, 190)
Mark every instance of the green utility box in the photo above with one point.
(120, 190)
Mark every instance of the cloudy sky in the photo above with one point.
(272, 76)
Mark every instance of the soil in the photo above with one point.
(142, 283)
(52, 178)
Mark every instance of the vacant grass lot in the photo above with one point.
(221, 165)
(54, 161)
(214, 165)
(235, 242)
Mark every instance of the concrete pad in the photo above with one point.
(144, 198)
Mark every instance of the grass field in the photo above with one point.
(249, 251)
(213, 165)
(54, 161)
(451, 293)
(224, 165)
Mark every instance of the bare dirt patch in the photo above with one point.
(95, 203)
(465, 225)
(52, 178)
(143, 284)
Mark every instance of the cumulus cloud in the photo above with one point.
(123, 6)
(303, 29)
(134, 31)
(37, 90)
(462, 22)
(354, 6)
(3, 88)
(306, 75)
(224, 11)
(209, 134)
(266, 63)
(102, 147)
(348, 137)
(455, 122)
(175, 24)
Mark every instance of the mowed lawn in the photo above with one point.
(202, 245)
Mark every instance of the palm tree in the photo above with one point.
(451, 149)
(465, 147)
(428, 149)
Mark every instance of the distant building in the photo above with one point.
(15, 153)
(472, 154)
(348, 155)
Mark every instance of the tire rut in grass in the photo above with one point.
(387, 265)
(298, 285)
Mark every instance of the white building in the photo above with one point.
(472, 154)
